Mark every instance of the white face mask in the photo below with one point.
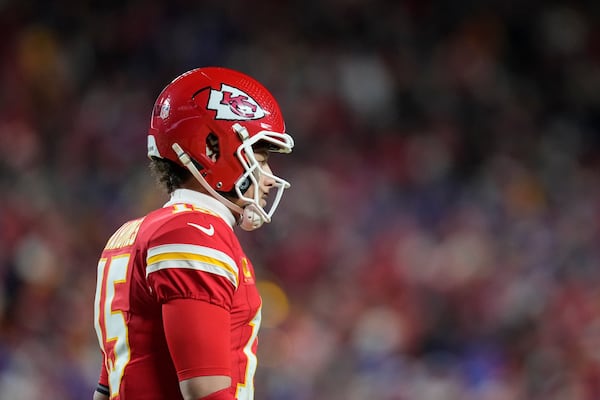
(252, 214)
(253, 210)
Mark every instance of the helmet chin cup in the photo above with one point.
(251, 218)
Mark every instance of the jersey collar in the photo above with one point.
(201, 200)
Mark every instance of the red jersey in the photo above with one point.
(186, 250)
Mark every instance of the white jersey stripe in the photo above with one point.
(196, 265)
(194, 257)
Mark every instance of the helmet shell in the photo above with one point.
(207, 101)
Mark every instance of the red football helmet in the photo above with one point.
(208, 120)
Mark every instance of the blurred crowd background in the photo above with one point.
(441, 237)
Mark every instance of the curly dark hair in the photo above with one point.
(168, 174)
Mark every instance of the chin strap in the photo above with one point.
(249, 219)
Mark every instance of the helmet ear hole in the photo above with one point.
(212, 147)
(245, 185)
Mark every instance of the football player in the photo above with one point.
(177, 311)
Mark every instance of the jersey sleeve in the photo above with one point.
(203, 327)
(190, 259)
